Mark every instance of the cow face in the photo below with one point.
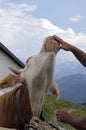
(50, 44)
(38, 74)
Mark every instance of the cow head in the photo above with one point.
(38, 73)
(50, 44)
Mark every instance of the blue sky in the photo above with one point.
(25, 23)
(63, 13)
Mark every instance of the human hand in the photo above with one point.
(63, 116)
(62, 44)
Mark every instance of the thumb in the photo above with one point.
(61, 47)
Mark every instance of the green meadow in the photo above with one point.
(51, 105)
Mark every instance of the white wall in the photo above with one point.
(5, 62)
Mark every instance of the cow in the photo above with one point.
(11, 80)
(8, 114)
(34, 81)
(54, 90)
(38, 73)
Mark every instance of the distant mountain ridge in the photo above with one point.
(73, 87)
(68, 68)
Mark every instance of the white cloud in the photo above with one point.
(1, 1)
(23, 34)
(21, 7)
(76, 18)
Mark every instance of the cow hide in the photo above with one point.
(38, 74)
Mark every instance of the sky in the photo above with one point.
(25, 23)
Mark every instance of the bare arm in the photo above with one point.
(78, 123)
(80, 55)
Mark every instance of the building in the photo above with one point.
(7, 58)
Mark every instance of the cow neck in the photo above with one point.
(23, 107)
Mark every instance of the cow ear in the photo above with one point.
(15, 70)
(28, 59)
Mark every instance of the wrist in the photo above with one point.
(68, 47)
(73, 48)
(70, 120)
(73, 122)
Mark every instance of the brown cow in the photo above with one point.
(8, 115)
(54, 90)
(11, 80)
(36, 78)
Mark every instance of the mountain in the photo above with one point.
(68, 68)
(73, 88)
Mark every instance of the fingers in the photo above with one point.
(58, 39)
(61, 42)
(58, 115)
(59, 112)
(61, 46)
(63, 116)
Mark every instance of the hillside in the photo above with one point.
(51, 105)
(73, 87)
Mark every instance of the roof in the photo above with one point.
(11, 55)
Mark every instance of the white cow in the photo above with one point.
(38, 74)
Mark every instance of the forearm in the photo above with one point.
(78, 123)
(80, 55)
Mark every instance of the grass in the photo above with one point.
(51, 105)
